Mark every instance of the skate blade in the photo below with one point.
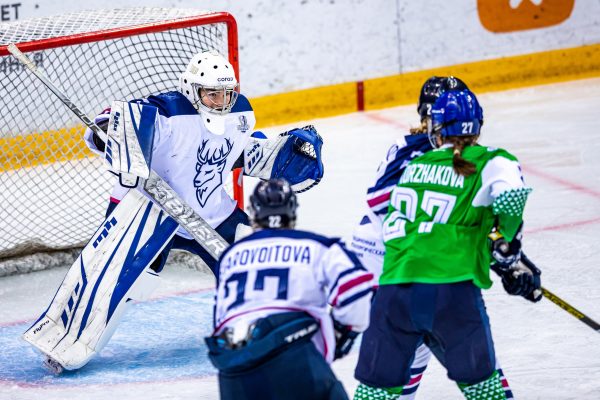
(53, 366)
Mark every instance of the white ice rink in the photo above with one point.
(158, 352)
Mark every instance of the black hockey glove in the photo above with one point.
(102, 124)
(503, 252)
(522, 279)
(344, 339)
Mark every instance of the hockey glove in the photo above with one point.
(522, 279)
(93, 140)
(102, 124)
(294, 156)
(344, 339)
(299, 160)
(503, 252)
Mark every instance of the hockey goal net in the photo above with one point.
(54, 191)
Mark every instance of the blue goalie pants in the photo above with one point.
(300, 372)
(449, 318)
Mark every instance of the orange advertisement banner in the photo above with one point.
(502, 16)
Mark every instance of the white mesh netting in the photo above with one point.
(91, 21)
(54, 192)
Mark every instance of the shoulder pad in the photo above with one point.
(242, 104)
(398, 158)
(170, 104)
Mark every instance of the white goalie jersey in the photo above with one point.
(278, 270)
(192, 159)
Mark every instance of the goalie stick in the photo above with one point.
(158, 190)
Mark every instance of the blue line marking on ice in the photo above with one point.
(159, 340)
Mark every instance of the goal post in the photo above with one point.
(54, 190)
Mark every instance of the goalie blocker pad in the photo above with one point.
(130, 141)
(112, 269)
(294, 156)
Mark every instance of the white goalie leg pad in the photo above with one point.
(141, 290)
(112, 269)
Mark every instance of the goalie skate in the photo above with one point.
(52, 366)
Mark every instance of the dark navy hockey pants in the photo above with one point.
(300, 372)
(449, 318)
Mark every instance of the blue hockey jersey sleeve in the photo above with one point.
(392, 167)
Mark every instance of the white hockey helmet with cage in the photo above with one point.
(212, 74)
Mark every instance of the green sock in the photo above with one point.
(366, 392)
(490, 389)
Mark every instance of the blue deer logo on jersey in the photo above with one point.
(209, 169)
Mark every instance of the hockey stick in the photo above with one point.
(528, 264)
(155, 186)
(570, 309)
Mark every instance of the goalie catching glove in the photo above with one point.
(294, 155)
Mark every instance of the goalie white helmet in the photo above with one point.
(209, 83)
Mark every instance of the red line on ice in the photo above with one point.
(384, 120)
(51, 386)
(566, 225)
(563, 182)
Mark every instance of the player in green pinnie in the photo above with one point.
(438, 255)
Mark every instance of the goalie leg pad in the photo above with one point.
(112, 269)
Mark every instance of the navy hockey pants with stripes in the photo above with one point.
(449, 318)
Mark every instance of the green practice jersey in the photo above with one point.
(438, 221)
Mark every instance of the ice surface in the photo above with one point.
(158, 351)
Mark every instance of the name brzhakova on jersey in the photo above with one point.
(435, 174)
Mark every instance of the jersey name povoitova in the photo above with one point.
(438, 221)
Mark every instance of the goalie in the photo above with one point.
(192, 139)
(202, 132)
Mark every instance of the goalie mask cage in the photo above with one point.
(54, 191)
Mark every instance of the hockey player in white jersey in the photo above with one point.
(367, 241)
(191, 138)
(274, 332)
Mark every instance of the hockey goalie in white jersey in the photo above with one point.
(192, 138)
(274, 331)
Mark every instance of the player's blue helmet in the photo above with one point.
(456, 113)
(273, 204)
